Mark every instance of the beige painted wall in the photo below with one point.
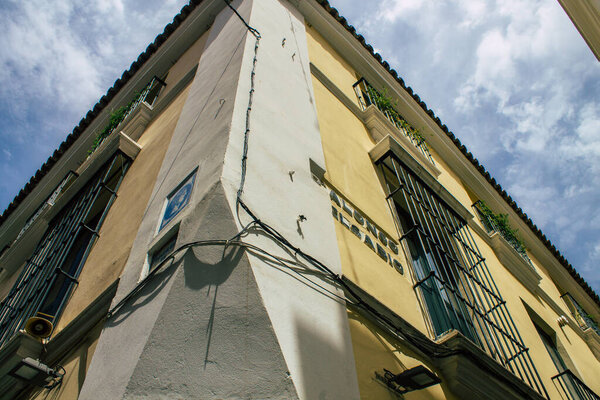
(75, 367)
(186, 62)
(110, 252)
(346, 144)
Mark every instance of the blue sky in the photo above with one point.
(511, 78)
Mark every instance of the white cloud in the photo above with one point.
(391, 10)
(517, 84)
(56, 60)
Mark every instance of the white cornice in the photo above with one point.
(366, 65)
(159, 63)
(390, 145)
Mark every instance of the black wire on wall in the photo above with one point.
(355, 299)
(415, 339)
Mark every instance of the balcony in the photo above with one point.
(584, 319)
(571, 387)
(497, 223)
(369, 96)
(123, 115)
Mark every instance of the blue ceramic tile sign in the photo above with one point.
(178, 200)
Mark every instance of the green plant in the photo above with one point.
(385, 103)
(114, 120)
(500, 222)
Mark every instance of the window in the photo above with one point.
(177, 200)
(567, 381)
(452, 279)
(161, 254)
(52, 271)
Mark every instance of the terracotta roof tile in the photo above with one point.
(170, 28)
(470, 157)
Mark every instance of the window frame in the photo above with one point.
(43, 274)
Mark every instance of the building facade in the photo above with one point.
(585, 15)
(260, 208)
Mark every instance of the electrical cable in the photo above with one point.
(352, 298)
(268, 229)
(257, 38)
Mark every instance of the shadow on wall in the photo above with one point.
(321, 358)
(213, 268)
(146, 294)
(375, 351)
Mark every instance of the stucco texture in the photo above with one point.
(111, 250)
(213, 338)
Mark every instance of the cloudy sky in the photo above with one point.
(511, 78)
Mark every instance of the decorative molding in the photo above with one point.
(380, 127)
(469, 372)
(593, 341)
(514, 262)
(332, 87)
(136, 122)
(390, 145)
(585, 15)
(467, 379)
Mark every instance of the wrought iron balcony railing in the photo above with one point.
(368, 95)
(147, 95)
(584, 320)
(491, 226)
(453, 282)
(51, 273)
(572, 388)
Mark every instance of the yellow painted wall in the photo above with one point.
(111, 250)
(346, 143)
(186, 62)
(75, 367)
(331, 63)
(374, 352)
(351, 172)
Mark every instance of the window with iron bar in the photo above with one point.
(453, 281)
(51, 272)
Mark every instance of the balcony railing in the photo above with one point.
(368, 95)
(50, 274)
(572, 388)
(584, 320)
(49, 202)
(147, 95)
(491, 226)
(455, 287)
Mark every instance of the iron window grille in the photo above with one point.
(572, 388)
(566, 382)
(51, 273)
(453, 281)
(368, 95)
